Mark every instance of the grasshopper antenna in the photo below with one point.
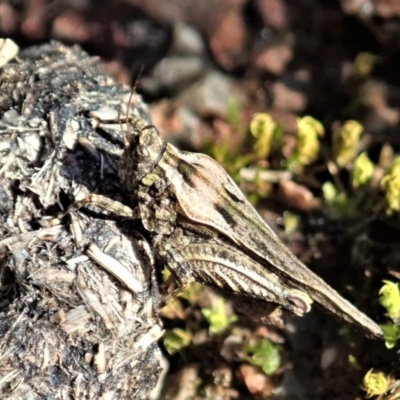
(126, 143)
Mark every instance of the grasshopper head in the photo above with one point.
(142, 153)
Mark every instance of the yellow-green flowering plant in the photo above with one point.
(390, 183)
(375, 383)
(389, 297)
(262, 127)
(362, 172)
(345, 142)
(309, 132)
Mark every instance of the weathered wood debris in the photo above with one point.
(76, 314)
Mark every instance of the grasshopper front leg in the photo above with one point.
(106, 204)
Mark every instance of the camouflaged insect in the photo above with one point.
(203, 229)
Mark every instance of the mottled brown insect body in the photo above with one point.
(204, 229)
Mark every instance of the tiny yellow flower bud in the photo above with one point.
(262, 127)
(308, 132)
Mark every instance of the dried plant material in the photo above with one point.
(76, 296)
(8, 51)
(182, 385)
(115, 268)
(297, 196)
(256, 382)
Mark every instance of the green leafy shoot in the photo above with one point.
(264, 354)
(391, 333)
(229, 152)
(230, 158)
(389, 297)
(217, 318)
(337, 202)
(176, 339)
(351, 204)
